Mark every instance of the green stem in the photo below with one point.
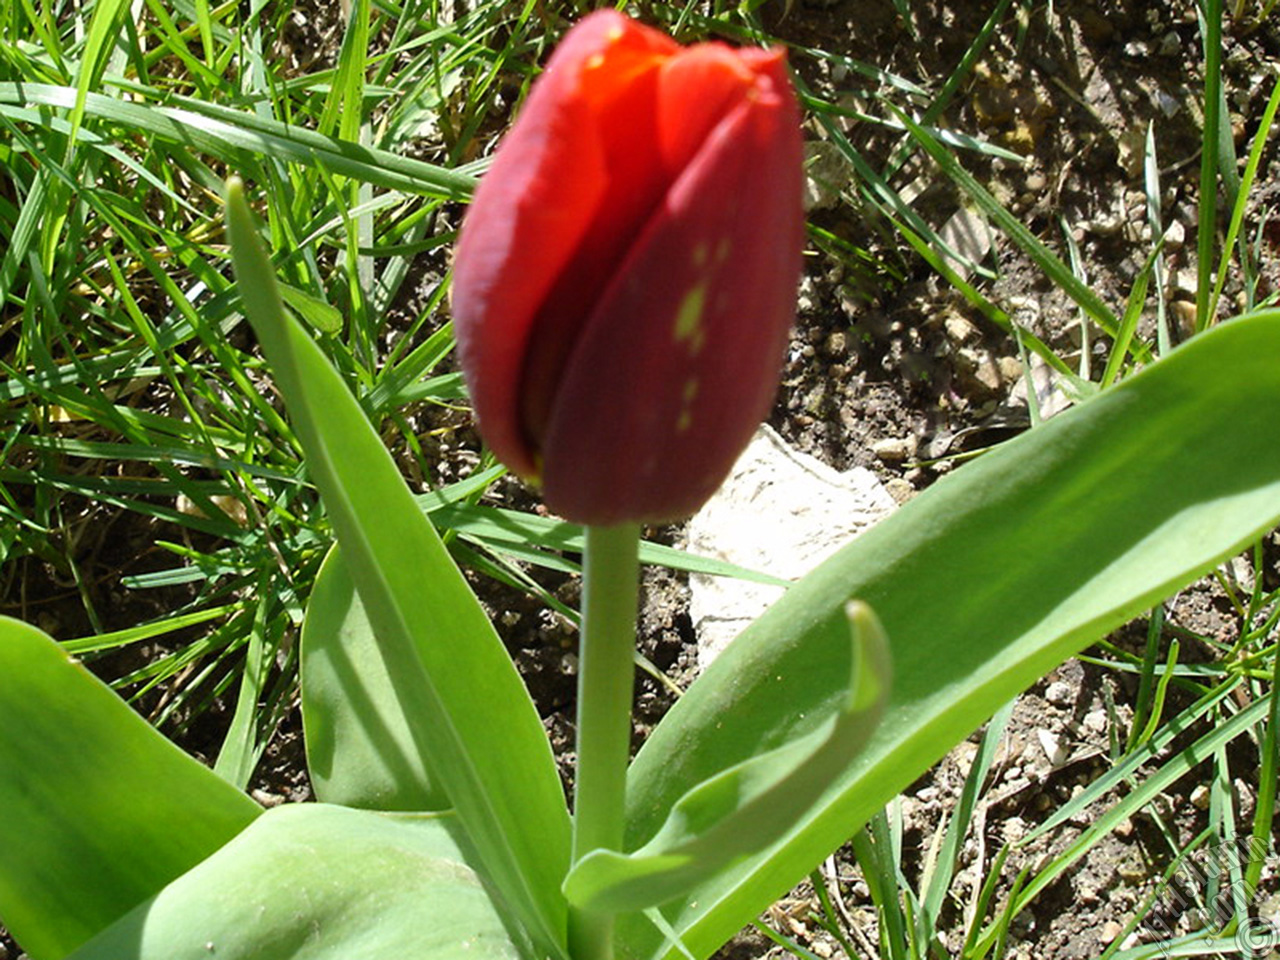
(606, 677)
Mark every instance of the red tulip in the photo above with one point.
(626, 275)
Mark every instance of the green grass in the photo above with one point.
(132, 397)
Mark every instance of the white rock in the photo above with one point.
(780, 512)
(969, 236)
(1058, 693)
(1053, 747)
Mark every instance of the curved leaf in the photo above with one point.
(983, 583)
(468, 711)
(747, 807)
(317, 882)
(98, 811)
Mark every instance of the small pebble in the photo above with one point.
(1110, 930)
(1168, 105)
(1013, 829)
(894, 449)
(1183, 283)
(960, 329)
(1053, 747)
(1058, 693)
(1200, 797)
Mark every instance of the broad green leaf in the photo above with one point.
(745, 808)
(318, 882)
(360, 746)
(470, 716)
(983, 583)
(98, 811)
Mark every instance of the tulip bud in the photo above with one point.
(625, 277)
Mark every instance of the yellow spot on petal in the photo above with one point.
(722, 249)
(688, 327)
(615, 34)
(700, 255)
(594, 62)
(690, 393)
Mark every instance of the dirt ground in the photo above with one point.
(892, 370)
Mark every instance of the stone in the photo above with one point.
(780, 512)
(1095, 721)
(1054, 749)
(960, 328)
(1058, 693)
(895, 449)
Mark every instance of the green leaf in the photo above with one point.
(317, 882)
(98, 811)
(983, 583)
(360, 746)
(747, 807)
(237, 137)
(469, 713)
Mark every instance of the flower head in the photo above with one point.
(625, 278)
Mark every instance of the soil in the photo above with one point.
(893, 370)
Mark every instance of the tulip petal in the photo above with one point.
(697, 89)
(529, 217)
(678, 363)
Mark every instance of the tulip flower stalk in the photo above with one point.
(606, 673)
(623, 287)
(624, 283)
